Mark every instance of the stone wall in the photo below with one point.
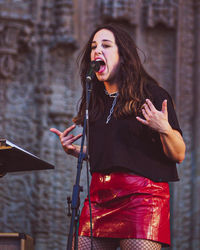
(39, 89)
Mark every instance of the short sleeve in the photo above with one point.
(159, 95)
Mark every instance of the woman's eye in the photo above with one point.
(103, 45)
(106, 46)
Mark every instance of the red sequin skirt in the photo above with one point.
(126, 206)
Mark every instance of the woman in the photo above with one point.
(134, 144)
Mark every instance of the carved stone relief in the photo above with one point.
(124, 10)
(161, 12)
(12, 36)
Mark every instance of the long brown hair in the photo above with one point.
(133, 84)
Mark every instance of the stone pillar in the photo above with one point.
(196, 135)
(182, 205)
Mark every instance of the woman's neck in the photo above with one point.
(111, 88)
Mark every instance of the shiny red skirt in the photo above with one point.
(125, 205)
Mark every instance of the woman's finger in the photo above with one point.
(55, 131)
(150, 104)
(147, 110)
(164, 107)
(66, 132)
(76, 137)
(145, 114)
(71, 146)
(66, 138)
(70, 139)
(142, 120)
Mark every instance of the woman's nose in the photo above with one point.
(98, 50)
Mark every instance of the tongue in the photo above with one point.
(102, 68)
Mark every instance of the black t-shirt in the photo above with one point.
(124, 144)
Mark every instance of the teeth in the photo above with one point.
(100, 60)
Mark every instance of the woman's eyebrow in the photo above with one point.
(104, 40)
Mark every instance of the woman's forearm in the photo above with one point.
(173, 145)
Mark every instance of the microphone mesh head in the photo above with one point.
(95, 65)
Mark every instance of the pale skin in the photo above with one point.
(68, 139)
(104, 47)
(172, 141)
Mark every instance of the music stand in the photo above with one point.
(15, 159)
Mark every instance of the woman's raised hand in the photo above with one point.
(67, 139)
(157, 120)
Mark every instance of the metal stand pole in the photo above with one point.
(77, 189)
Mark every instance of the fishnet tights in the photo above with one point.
(84, 243)
(139, 244)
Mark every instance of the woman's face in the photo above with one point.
(104, 48)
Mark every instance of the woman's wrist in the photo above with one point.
(166, 131)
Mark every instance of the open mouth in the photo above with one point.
(103, 65)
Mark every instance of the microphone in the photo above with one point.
(94, 67)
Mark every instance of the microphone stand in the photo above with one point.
(77, 188)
